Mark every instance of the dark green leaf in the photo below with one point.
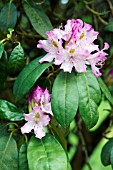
(8, 154)
(105, 90)
(1, 49)
(23, 163)
(16, 61)
(10, 112)
(109, 27)
(46, 154)
(89, 96)
(4, 130)
(8, 17)
(106, 152)
(3, 70)
(38, 18)
(28, 77)
(111, 157)
(65, 98)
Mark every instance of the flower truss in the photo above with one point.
(74, 46)
(39, 101)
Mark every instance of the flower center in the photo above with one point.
(71, 50)
(37, 116)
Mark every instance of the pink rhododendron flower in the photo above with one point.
(74, 46)
(45, 102)
(40, 106)
(41, 98)
(36, 120)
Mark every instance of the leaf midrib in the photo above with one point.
(88, 96)
(46, 156)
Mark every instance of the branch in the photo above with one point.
(110, 6)
(27, 35)
(97, 13)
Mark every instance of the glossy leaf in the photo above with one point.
(8, 17)
(38, 18)
(109, 27)
(1, 49)
(23, 163)
(8, 153)
(105, 90)
(28, 77)
(65, 98)
(10, 112)
(16, 61)
(46, 153)
(106, 152)
(89, 96)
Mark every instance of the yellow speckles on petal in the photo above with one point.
(81, 36)
(71, 50)
(54, 43)
(37, 116)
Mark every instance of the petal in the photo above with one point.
(44, 120)
(80, 66)
(106, 46)
(43, 44)
(27, 127)
(39, 132)
(29, 117)
(66, 66)
(37, 94)
(47, 108)
(96, 71)
(47, 96)
(48, 57)
(91, 47)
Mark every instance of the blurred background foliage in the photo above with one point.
(28, 20)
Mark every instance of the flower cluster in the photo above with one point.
(39, 103)
(74, 46)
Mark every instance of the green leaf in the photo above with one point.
(68, 164)
(105, 90)
(3, 69)
(10, 112)
(8, 153)
(23, 163)
(46, 154)
(89, 96)
(65, 98)
(109, 27)
(28, 76)
(8, 17)
(1, 49)
(16, 61)
(38, 18)
(111, 157)
(4, 130)
(106, 153)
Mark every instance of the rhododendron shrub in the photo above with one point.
(54, 103)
